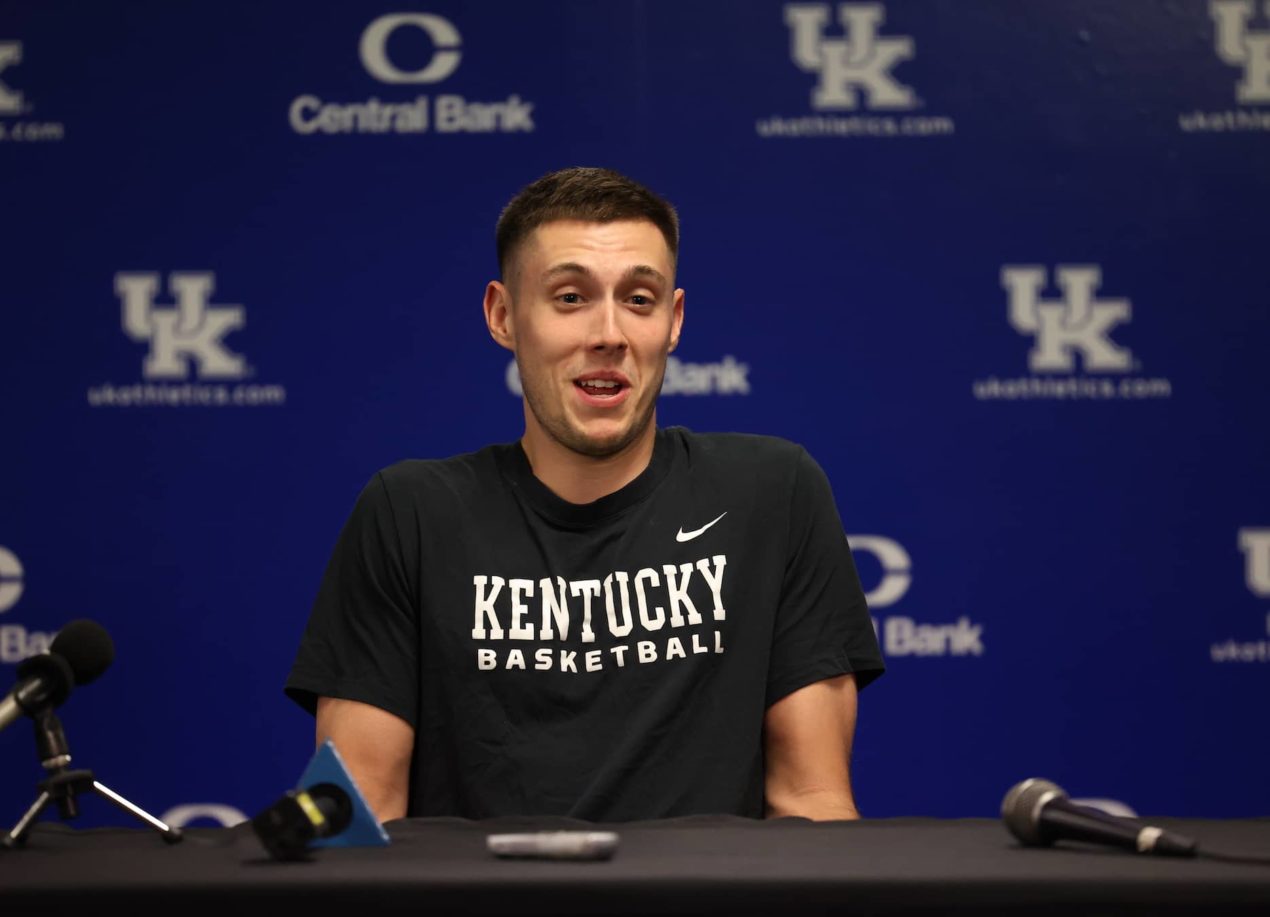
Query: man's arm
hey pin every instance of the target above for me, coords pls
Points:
(807, 748)
(376, 746)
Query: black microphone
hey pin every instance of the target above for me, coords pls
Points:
(1039, 812)
(80, 652)
(288, 826)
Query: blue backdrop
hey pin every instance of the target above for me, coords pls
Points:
(1001, 267)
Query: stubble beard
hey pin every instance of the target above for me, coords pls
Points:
(563, 432)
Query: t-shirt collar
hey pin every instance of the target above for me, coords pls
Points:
(515, 467)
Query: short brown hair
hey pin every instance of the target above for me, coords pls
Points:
(582, 193)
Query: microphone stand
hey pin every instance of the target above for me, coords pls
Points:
(62, 785)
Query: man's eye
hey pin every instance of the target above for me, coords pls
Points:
(639, 299)
(571, 299)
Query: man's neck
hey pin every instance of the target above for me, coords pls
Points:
(581, 478)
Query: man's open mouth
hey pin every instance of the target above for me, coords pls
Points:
(599, 388)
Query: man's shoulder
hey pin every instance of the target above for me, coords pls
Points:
(746, 450)
(456, 472)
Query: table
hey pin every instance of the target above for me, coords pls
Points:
(689, 865)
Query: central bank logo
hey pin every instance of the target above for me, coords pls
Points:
(380, 49)
(191, 331)
(1070, 331)
(896, 568)
(1239, 45)
(185, 337)
(1076, 323)
(10, 579)
(728, 376)
(858, 63)
(10, 56)
(202, 812)
(902, 635)
(1255, 545)
(445, 39)
(16, 642)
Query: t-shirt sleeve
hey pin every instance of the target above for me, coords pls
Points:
(361, 642)
(822, 627)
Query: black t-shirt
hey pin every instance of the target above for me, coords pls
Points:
(609, 661)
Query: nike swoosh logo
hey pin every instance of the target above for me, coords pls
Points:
(688, 536)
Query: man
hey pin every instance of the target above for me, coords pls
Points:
(605, 619)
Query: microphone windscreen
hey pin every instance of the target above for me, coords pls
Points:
(289, 827)
(1019, 808)
(86, 646)
(335, 804)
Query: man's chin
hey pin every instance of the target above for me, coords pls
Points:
(599, 445)
(602, 440)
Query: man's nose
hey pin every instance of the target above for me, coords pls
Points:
(606, 332)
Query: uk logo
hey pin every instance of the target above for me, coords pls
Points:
(1076, 323)
(1239, 46)
(858, 63)
(189, 331)
(10, 100)
(1255, 544)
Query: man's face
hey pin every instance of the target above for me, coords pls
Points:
(591, 312)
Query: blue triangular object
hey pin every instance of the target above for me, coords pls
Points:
(364, 830)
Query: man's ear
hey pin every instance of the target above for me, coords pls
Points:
(498, 315)
(677, 322)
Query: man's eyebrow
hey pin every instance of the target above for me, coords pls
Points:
(633, 272)
(565, 267)
(645, 270)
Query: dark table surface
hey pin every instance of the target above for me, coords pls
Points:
(696, 864)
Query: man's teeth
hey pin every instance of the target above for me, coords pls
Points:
(599, 383)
